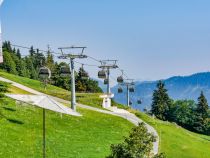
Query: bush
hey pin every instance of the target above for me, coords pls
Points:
(137, 145)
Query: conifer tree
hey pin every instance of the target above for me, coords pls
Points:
(161, 102)
(18, 53)
(202, 121)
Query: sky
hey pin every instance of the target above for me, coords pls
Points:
(151, 39)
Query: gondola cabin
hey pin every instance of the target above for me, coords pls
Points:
(44, 73)
(84, 75)
(106, 81)
(65, 71)
(120, 90)
(131, 89)
(120, 79)
(139, 101)
(102, 74)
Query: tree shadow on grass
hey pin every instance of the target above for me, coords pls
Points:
(9, 109)
(80, 96)
(206, 139)
(15, 121)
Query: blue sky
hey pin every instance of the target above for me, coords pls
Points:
(152, 39)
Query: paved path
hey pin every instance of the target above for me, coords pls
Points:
(126, 115)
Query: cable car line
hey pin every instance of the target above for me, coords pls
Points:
(94, 59)
(40, 50)
(85, 64)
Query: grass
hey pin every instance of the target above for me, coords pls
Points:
(89, 136)
(16, 90)
(174, 140)
(177, 142)
(91, 99)
(37, 85)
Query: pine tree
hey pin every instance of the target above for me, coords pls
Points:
(161, 102)
(31, 51)
(18, 53)
(38, 59)
(202, 121)
(23, 70)
(202, 107)
(31, 69)
(9, 65)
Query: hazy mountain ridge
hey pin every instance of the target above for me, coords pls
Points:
(179, 87)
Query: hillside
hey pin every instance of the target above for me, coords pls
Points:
(67, 136)
(171, 135)
(177, 142)
(179, 87)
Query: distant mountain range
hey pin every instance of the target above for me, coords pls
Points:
(179, 87)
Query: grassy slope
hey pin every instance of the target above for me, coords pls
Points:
(89, 136)
(177, 142)
(91, 99)
(16, 90)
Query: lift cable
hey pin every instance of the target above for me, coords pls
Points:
(94, 59)
(86, 64)
(24, 47)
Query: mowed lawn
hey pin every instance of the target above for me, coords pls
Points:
(89, 136)
(177, 142)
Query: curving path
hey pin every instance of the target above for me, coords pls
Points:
(114, 111)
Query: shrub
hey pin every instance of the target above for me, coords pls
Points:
(137, 145)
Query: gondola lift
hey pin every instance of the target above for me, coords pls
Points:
(139, 101)
(106, 81)
(84, 74)
(44, 73)
(120, 90)
(120, 78)
(102, 74)
(131, 89)
(65, 71)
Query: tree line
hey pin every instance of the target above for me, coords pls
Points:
(29, 66)
(186, 113)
